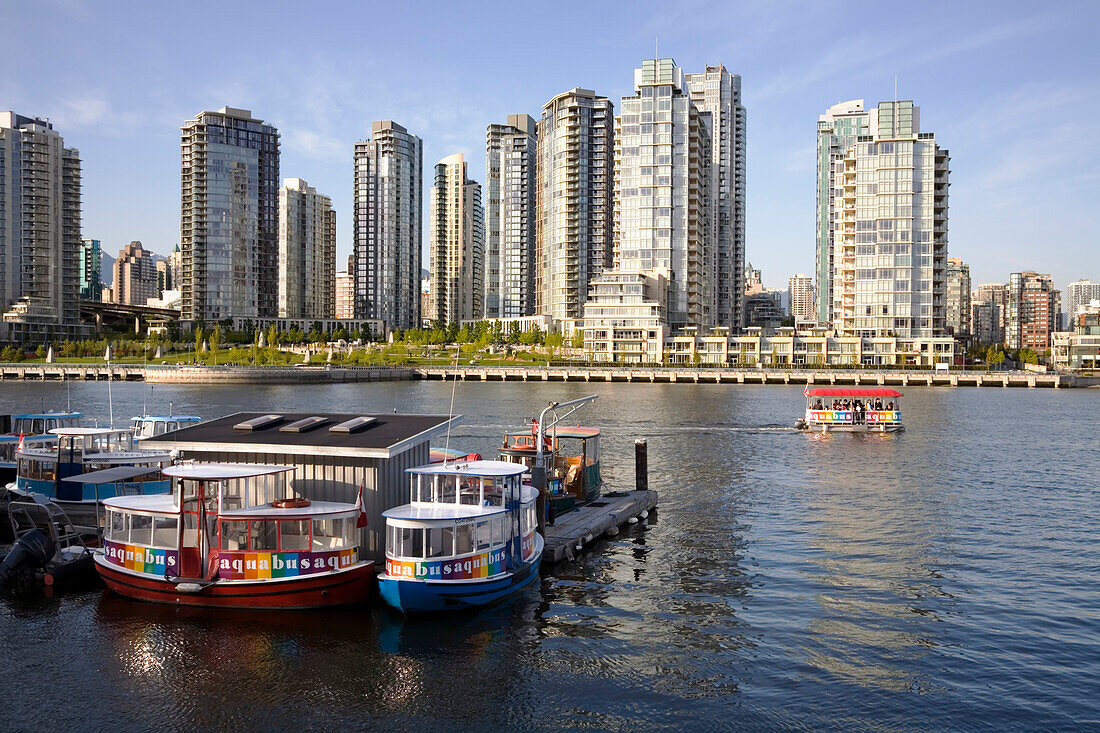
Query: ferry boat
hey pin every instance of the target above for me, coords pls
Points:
(466, 539)
(234, 536)
(86, 454)
(851, 410)
(32, 429)
(570, 455)
(145, 427)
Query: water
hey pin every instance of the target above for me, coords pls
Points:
(944, 578)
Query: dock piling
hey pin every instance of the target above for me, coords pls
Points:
(641, 465)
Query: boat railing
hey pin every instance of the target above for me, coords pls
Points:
(847, 417)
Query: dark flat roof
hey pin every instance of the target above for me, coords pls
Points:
(386, 436)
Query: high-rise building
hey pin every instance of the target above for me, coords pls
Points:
(1078, 295)
(91, 259)
(837, 131)
(39, 231)
(135, 275)
(510, 162)
(988, 306)
(164, 277)
(1033, 307)
(882, 222)
(957, 311)
(307, 252)
(345, 295)
(175, 268)
(457, 243)
(664, 207)
(388, 213)
(719, 92)
(229, 223)
(800, 293)
(574, 199)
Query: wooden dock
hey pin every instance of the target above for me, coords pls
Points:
(590, 522)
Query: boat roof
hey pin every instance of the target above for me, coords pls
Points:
(159, 503)
(436, 511)
(76, 432)
(111, 475)
(851, 392)
(218, 471)
(166, 418)
(266, 510)
(487, 469)
(572, 431)
(37, 415)
(363, 434)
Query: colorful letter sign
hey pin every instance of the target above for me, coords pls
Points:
(264, 565)
(468, 567)
(142, 559)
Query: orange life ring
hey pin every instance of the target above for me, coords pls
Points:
(290, 503)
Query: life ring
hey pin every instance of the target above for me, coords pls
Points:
(290, 503)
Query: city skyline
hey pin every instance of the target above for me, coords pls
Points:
(124, 117)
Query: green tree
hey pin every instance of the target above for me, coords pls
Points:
(513, 332)
(216, 338)
(578, 339)
(199, 337)
(40, 352)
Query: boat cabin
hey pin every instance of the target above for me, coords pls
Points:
(230, 522)
(572, 458)
(150, 426)
(464, 521)
(44, 468)
(42, 423)
(852, 409)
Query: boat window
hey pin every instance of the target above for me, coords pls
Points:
(37, 427)
(351, 532)
(263, 536)
(231, 495)
(464, 539)
(498, 530)
(141, 530)
(422, 489)
(484, 535)
(441, 541)
(409, 542)
(470, 492)
(328, 534)
(234, 535)
(116, 527)
(165, 532)
(294, 535)
(447, 489)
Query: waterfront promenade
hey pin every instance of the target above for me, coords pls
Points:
(163, 374)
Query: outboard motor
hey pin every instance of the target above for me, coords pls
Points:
(31, 551)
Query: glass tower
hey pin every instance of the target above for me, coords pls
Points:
(510, 159)
(229, 228)
(388, 215)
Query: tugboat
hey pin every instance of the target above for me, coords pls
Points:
(233, 536)
(851, 410)
(568, 454)
(466, 539)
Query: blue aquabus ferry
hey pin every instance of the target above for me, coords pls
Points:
(467, 538)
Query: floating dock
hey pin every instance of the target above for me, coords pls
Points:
(588, 523)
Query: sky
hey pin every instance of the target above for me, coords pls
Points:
(1011, 89)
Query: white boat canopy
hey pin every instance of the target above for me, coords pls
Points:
(438, 511)
(487, 469)
(221, 471)
(85, 432)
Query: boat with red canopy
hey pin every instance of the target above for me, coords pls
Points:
(852, 410)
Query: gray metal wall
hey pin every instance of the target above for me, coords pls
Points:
(338, 478)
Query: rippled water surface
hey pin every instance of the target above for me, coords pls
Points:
(947, 577)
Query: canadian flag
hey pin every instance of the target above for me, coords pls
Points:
(362, 521)
(20, 440)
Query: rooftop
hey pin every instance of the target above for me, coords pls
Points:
(364, 435)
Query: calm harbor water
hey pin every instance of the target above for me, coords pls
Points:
(944, 578)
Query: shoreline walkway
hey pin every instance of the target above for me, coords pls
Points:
(655, 375)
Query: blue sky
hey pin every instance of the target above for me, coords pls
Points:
(1010, 88)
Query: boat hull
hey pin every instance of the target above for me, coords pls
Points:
(330, 589)
(425, 596)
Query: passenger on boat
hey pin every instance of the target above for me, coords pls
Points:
(817, 405)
